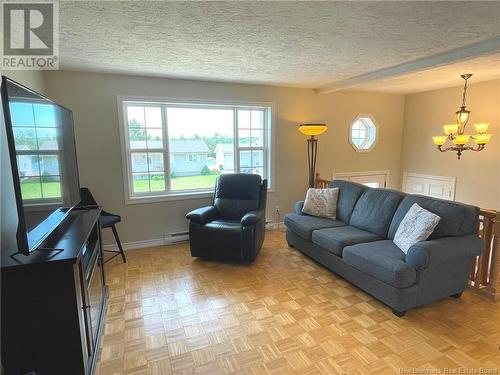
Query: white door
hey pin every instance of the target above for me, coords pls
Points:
(432, 186)
(374, 179)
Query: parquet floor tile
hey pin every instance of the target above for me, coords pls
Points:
(169, 313)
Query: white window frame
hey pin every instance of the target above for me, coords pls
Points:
(375, 130)
(150, 197)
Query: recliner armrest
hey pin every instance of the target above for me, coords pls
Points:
(428, 253)
(202, 215)
(298, 207)
(253, 217)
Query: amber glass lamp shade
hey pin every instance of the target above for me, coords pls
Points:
(461, 139)
(482, 139)
(312, 129)
(451, 129)
(482, 127)
(439, 140)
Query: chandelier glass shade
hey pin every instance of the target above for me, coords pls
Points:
(455, 133)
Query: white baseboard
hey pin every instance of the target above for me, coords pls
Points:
(135, 244)
(168, 240)
(147, 243)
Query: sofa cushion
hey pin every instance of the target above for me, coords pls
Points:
(457, 219)
(304, 225)
(335, 239)
(224, 234)
(349, 193)
(374, 210)
(382, 260)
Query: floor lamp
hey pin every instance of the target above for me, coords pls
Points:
(312, 146)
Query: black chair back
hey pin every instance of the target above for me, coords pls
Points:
(263, 195)
(87, 199)
(237, 194)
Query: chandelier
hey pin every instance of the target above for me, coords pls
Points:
(455, 133)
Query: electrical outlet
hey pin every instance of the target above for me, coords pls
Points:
(277, 209)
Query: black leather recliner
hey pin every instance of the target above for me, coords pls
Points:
(233, 228)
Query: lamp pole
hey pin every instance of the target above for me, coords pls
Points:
(312, 147)
(312, 152)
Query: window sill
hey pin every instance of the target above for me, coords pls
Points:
(168, 197)
(172, 197)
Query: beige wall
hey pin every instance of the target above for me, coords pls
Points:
(93, 99)
(33, 79)
(478, 174)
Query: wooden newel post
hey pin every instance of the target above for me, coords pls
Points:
(495, 260)
(485, 272)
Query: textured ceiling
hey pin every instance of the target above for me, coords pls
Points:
(303, 44)
(484, 68)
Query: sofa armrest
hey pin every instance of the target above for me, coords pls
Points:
(429, 253)
(298, 207)
(202, 215)
(253, 217)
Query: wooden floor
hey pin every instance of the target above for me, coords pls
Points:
(283, 314)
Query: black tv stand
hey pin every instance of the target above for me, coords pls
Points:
(53, 301)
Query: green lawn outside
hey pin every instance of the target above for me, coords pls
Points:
(31, 189)
(178, 183)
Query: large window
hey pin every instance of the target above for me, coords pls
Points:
(175, 148)
(37, 150)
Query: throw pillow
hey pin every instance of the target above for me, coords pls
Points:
(321, 202)
(417, 225)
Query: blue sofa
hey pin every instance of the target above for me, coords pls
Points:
(358, 245)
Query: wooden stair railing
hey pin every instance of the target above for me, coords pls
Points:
(319, 183)
(485, 272)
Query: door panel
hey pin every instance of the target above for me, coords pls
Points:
(432, 186)
(96, 293)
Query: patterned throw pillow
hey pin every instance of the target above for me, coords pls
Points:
(417, 225)
(321, 202)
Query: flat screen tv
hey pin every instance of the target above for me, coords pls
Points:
(44, 171)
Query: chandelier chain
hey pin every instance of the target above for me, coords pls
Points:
(464, 95)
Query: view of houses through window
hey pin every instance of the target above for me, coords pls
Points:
(37, 149)
(177, 147)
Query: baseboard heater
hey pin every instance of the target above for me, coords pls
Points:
(176, 237)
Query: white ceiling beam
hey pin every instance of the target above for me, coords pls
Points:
(483, 48)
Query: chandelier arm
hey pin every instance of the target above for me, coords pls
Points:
(450, 148)
(478, 148)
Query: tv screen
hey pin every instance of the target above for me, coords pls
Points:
(43, 162)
